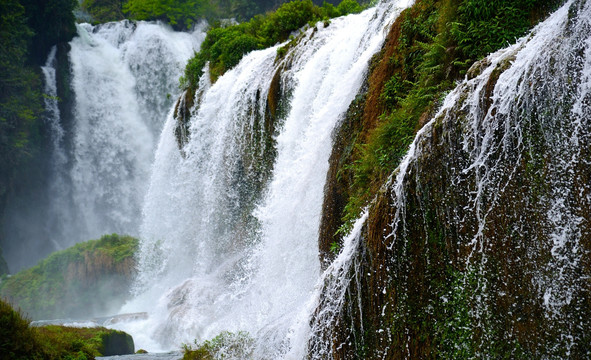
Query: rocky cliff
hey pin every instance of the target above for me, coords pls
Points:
(478, 245)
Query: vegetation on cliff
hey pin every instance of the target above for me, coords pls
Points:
(20, 98)
(429, 47)
(224, 46)
(478, 247)
(181, 14)
(88, 279)
(28, 29)
(20, 341)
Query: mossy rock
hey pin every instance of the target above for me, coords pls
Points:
(117, 343)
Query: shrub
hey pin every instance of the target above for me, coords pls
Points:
(225, 345)
(349, 7)
(181, 14)
(224, 47)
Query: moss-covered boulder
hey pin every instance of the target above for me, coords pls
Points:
(116, 343)
(89, 279)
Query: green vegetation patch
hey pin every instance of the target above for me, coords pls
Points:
(224, 46)
(181, 14)
(437, 42)
(88, 279)
(18, 340)
(225, 345)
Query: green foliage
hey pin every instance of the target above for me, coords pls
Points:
(349, 7)
(225, 345)
(20, 341)
(20, 99)
(181, 14)
(224, 47)
(17, 340)
(87, 278)
(28, 29)
(289, 17)
(335, 247)
(104, 10)
(52, 21)
(437, 42)
(483, 26)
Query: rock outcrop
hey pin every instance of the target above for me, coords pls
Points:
(479, 244)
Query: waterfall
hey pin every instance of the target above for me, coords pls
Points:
(123, 78)
(123, 73)
(486, 250)
(230, 228)
(59, 159)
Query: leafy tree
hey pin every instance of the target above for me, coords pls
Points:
(181, 14)
(289, 17)
(225, 46)
(349, 7)
(20, 101)
(104, 10)
(52, 21)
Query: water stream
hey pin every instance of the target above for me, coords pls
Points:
(229, 235)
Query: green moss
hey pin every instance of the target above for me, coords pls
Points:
(85, 280)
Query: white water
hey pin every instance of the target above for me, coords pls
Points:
(59, 159)
(203, 269)
(124, 78)
(122, 74)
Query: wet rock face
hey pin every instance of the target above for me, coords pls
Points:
(359, 120)
(479, 246)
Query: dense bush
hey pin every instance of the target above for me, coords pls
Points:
(52, 21)
(485, 26)
(28, 29)
(181, 14)
(224, 46)
(104, 10)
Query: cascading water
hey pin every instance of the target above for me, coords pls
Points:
(231, 223)
(59, 160)
(486, 252)
(124, 78)
(121, 73)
